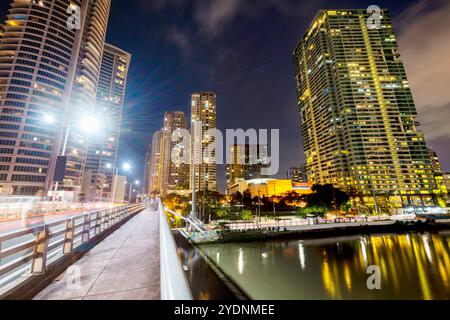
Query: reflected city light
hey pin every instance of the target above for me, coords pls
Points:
(301, 255)
(412, 266)
(241, 262)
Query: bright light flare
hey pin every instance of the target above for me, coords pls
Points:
(48, 118)
(90, 125)
(127, 166)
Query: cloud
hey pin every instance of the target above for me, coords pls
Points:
(180, 39)
(213, 16)
(424, 30)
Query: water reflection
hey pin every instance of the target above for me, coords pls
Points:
(413, 266)
(204, 282)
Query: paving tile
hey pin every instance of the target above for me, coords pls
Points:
(124, 280)
(118, 265)
(125, 266)
(65, 288)
(148, 293)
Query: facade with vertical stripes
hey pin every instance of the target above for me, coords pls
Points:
(47, 70)
(359, 121)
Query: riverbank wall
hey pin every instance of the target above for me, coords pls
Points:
(323, 231)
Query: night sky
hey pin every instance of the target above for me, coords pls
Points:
(241, 50)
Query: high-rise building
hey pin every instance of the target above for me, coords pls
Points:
(297, 174)
(447, 181)
(155, 160)
(174, 174)
(435, 163)
(82, 105)
(438, 174)
(246, 163)
(147, 169)
(45, 67)
(203, 111)
(102, 152)
(359, 121)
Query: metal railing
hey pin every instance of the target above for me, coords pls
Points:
(174, 285)
(195, 224)
(32, 251)
(13, 208)
(299, 222)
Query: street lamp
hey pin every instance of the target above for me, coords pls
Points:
(127, 168)
(88, 124)
(131, 186)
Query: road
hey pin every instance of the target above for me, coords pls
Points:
(16, 225)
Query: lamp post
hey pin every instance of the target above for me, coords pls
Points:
(131, 186)
(87, 124)
(63, 153)
(126, 167)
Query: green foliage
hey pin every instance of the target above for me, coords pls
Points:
(234, 214)
(177, 203)
(347, 206)
(246, 215)
(313, 210)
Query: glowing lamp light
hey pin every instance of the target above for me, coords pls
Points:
(127, 167)
(90, 125)
(48, 118)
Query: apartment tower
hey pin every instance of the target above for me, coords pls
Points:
(203, 112)
(155, 160)
(102, 153)
(359, 121)
(174, 173)
(246, 163)
(46, 70)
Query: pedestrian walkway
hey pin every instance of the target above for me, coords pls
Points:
(125, 266)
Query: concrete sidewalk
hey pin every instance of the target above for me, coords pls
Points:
(125, 266)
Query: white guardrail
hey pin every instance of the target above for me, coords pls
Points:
(32, 251)
(174, 285)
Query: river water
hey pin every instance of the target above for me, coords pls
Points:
(412, 266)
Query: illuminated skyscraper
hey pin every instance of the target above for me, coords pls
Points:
(45, 67)
(245, 163)
(83, 99)
(359, 121)
(174, 174)
(155, 159)
(102, 154)
(297, 174)
(147, 168)
(203, 110)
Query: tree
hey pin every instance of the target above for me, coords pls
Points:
(234, 214)
(292, 198)
(237, 199)
(327, 196)
(207, 203)
(177, 203)
(247, 198)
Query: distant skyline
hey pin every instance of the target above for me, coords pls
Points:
(242, 52)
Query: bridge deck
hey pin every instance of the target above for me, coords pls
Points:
(125, 266)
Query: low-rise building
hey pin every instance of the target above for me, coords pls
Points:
(269, 187)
